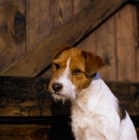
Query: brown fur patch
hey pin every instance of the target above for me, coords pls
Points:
(93, 62)
(121, 111)
(80, 79)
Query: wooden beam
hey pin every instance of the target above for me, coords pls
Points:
(24, 96)
(133, 1)
(70, 33)
(36, 132)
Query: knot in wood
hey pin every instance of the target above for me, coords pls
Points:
(19, 28)
(39, 87)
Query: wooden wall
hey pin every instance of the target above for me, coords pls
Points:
(27, 22)
(24, 23)
(117, 42)
(12, 31)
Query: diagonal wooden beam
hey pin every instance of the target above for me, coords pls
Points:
(70, 33)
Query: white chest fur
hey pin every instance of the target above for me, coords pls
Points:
(95, 117)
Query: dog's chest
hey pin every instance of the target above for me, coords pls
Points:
(84, 122)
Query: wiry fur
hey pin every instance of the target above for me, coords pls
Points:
(96, 113)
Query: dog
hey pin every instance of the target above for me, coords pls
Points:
(95, 112)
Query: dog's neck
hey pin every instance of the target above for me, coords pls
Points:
(94, 86)
(94, 95)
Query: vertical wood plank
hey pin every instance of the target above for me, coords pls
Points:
(38, 22)
(12, 31)
(136, 29)
(106, 48)
(89, 43)
(79, 5)
(61, 12)
(125, 44)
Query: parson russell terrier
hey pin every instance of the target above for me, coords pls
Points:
(96, 113)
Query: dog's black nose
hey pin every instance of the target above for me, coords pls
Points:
(57, 86)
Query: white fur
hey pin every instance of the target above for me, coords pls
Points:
(95, 117)
(94, 111)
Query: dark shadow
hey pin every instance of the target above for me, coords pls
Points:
(60, 128)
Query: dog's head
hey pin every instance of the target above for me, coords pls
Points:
(72, 71)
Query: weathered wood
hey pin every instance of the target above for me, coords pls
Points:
(12, 31)
(36, 132)
(61, 12)
(24, 96)
(79, 5)
(126, 44)
(111, 36)
(69, 33)
(136, 25)
(89, 43)
(24, 132)
(38, 22)
(44, 17)
(106, 48)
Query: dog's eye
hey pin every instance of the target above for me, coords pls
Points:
(76, 71)
(57, 66)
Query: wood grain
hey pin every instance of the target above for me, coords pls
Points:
(79, 5)
(12, 31)
(106, 48)
(126, 44)
(70, 33)
(61, 12)
(24, 132)
(136, 28)
(89, 43)
(26, 96)
(38, 23)
(36, 132)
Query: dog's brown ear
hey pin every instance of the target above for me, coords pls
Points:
(93, 63)
(57, 51)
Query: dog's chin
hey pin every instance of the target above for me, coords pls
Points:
(58, 97)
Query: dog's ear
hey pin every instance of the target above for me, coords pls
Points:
(93, 63)
(59, 50)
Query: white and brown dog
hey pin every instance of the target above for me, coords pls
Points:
(96, 112)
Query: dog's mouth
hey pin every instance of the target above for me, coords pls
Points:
(59, 94)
